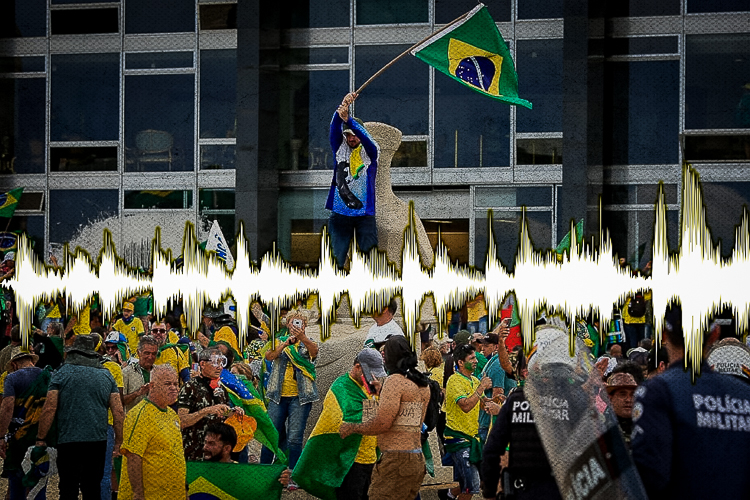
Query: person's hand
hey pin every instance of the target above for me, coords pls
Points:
(346, 429)
(377, 385)
(144, 389)
(238, 410)
(343, 112)
(602, 365)
(349, 98)
(217, 410)
(485, 383)
(297, 332)
(204, 341)
(116, 451)
(285, 477)
(491, 407)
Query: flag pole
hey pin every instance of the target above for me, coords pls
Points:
(381, 70)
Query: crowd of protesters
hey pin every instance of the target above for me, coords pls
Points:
(126, 403)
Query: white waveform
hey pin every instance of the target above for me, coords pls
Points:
(586, 279)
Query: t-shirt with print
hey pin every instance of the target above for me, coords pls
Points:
(194, 396)
(83, 400)
(460, 386)
(132, 331)
(154, 435)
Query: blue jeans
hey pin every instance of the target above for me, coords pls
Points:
(18, 490)
(465, 472)
(107, 477)
(341, 229)
(290, 418)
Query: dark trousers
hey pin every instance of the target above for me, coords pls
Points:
(342, 227)
(81, 466)
(356, 483)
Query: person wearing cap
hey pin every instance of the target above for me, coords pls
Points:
(25, 390)
(169, 353)
(351, 198)
(621, 388)
(136, 377)
(8, 266)
(349, 476)
(385, 326)
(207, 329)
(685, 423)
(116, 347)
(129, 325)
(501, 384)
(7, 351)
(80, 393)
(153, 464)
(397, 422)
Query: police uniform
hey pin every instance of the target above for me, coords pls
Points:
(692, 440)
(530, 471)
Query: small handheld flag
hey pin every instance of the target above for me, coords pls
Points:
(9, 202)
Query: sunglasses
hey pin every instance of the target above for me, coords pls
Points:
(219, 361)
(158, 330)
(110, 347)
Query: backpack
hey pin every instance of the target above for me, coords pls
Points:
(637, 306)
(434, 405)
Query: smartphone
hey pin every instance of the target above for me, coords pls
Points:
(196, 367)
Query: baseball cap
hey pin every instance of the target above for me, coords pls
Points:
(372, 364)
(463, 337)
(492, 338)
(128, 306)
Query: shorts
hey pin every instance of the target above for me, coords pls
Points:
(465, 472)
(398, 475)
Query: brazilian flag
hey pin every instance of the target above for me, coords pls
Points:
(9, 202)
(473, 52)
(564, 245)
(217, 481)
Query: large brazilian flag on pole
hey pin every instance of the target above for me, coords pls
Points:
(472, 51)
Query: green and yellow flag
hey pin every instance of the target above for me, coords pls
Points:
(564, 245)
(473, 52)
(217, 481)
(9, 202)
(326, 458)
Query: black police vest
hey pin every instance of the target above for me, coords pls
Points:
(526, 454)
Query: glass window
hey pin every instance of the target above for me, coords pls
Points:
(506, 228)
(33, 227)
(316, 14)
(83, 159)
(302, 215)
(323, 55)
(85, 97)
(410, 154)
(158, 199)
(309, 99)
(398, 97)
(471, 130)
(717, 74)
(513, 197)
(159, 122)
(218, 205)
(641, 45)
(21, 64)
(216, 199)
(75, 209)
(454, 233)
(219, 16)
(632, 234)
(31, 201)
(23, 18)
(448, 10)
(218, 99)
(539, 64)
(391, 11)
(696, 6)
(724, 202)
(84, 21)
(644, 112)
(539, 151)
(159, 16)
(540, 9)
(305, 241)
(217, 156)
(717, 147)
(625, 8)
(22, 112)
(158, 60)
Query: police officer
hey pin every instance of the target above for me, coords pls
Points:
(691, 439)
(528, 474)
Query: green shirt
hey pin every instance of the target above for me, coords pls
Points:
(481, 362)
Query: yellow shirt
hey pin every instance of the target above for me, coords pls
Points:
(116, 372)
(460, 386)
(172, 356)
(289, 385)
(154, 435)
(437, 374)
(367, 453)
(83, 325)
(132, 332)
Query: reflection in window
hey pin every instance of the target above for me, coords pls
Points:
(159, 16)
(454, 233)
(471, 130)
(159, 121)
(506, 228)
(717, 71)
(218, 99)
(540, 9)
(316, 13)
(625, 8)
(155, 199)
(21, 64)
(398, 97)
(23, 18)
(84, 21)
(309, 100)
(410, 154)
(217, 157)
(22, 110)
(539, 151)
(448, 10)
(158, 60)
(696, 6)
(219, 16)
(391, 11)
(83, 159)
(75, 209)
(644, 116)
(717, 147)
(218, 205)
(539, 65)
(85, 97)
(216, 199)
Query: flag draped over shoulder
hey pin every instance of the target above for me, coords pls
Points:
(9, 202)
(244, 395)
(473, 52)
(326, 458)
(304, 365)
(213, 480)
